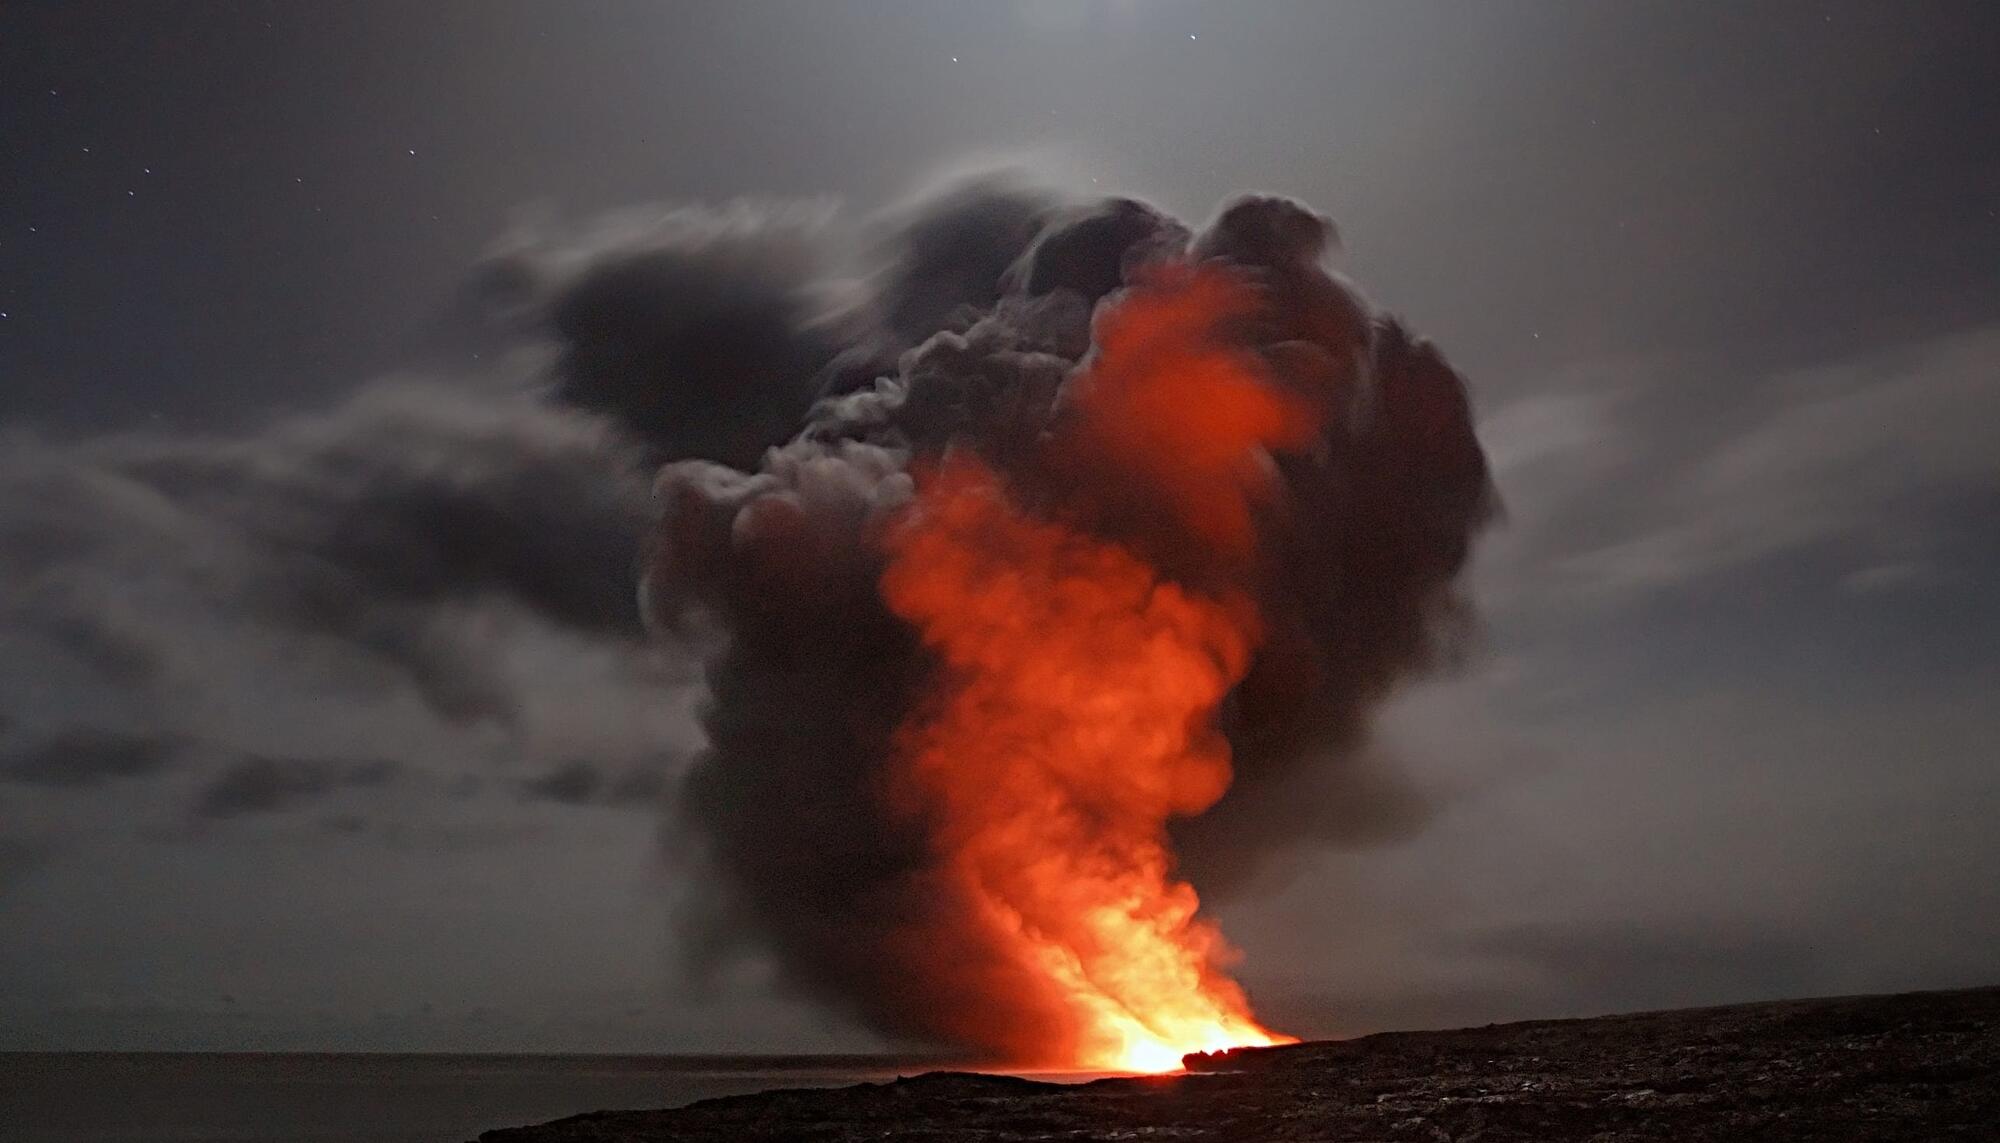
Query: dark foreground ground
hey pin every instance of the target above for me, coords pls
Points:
(1924, 1066)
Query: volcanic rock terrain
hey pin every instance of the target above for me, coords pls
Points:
(1921, 1066)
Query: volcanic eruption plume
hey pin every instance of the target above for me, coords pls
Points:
(1045, 613)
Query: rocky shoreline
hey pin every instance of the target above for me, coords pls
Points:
(1921, 1066)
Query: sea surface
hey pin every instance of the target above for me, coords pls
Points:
(162, 1097)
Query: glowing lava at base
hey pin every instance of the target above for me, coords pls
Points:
(1080, 685)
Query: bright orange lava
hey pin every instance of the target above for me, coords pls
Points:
(1078, 713)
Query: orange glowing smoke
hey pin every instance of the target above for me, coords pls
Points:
(1081, 685)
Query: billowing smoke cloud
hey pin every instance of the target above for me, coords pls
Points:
(437, 572)
(815, 677)
(700, 331)
(432, 585)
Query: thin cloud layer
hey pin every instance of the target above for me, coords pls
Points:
(389, 578)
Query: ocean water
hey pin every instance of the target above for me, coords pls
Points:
(105, 1097)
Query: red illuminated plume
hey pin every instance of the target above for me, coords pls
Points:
(1077, 711)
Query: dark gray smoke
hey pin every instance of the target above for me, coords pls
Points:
(465, 547)
(699, 331)
(436, 572)
(814, 675)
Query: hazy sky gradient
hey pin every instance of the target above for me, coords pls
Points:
(1723, 277)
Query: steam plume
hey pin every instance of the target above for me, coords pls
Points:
(1052, 394)
(1326, 541)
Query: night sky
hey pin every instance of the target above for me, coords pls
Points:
(1725, 279)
